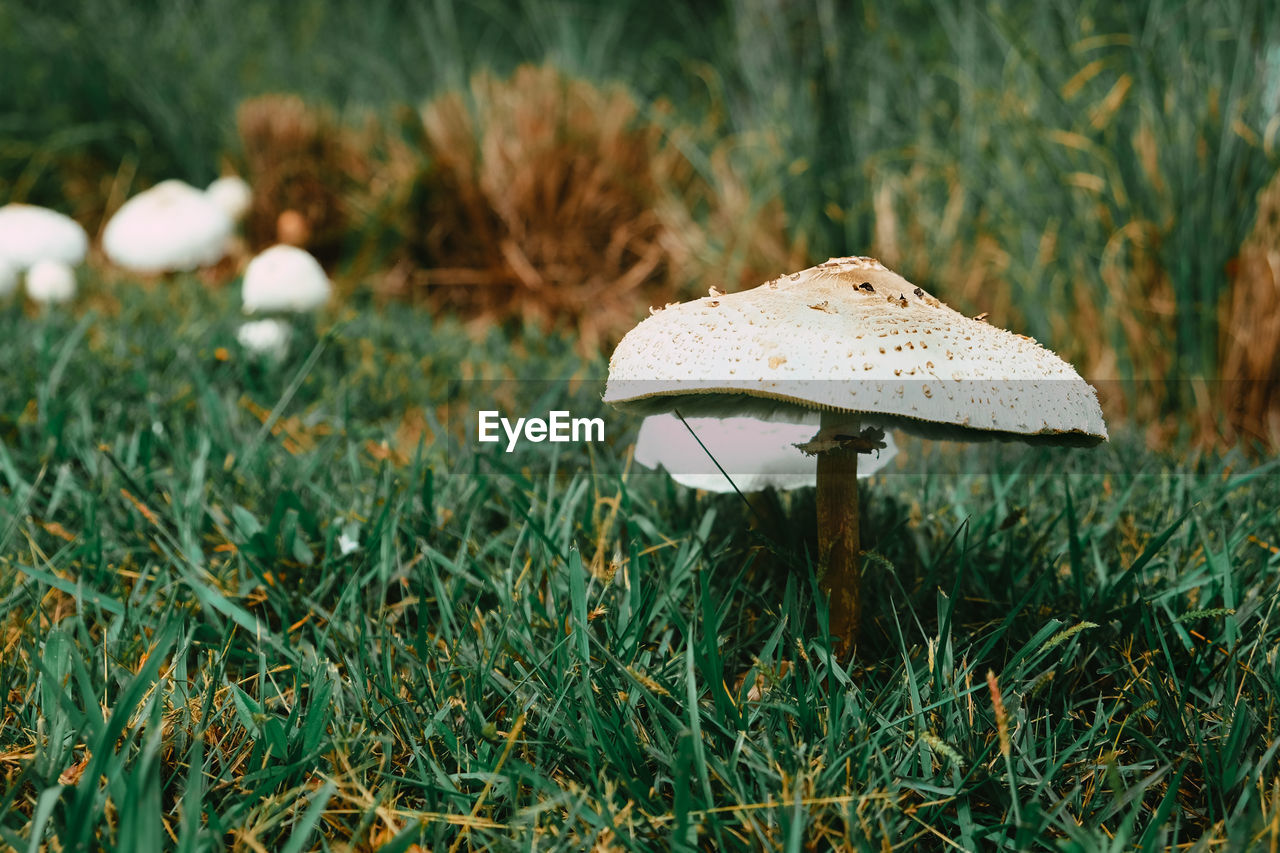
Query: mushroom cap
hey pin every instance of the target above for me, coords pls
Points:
(284, 278)
(755, 453)
(851, 336)
(264, 337)
(51, 282)
(8, 277)
(172, 227)
(232, 195)
(29, 234)
(292, 228)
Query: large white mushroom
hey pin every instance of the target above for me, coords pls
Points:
(859, 344)
(51, 283)
(172, 227)
(755, 454)
(30, 234)
(284, 279)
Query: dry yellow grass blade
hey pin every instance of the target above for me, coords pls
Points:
(1100, 116)
(1077, 82)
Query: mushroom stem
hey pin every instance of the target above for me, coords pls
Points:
(838, 541)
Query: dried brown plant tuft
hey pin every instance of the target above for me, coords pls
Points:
(1249, 321)
(304, 166)
(540, 203)
(553, 199)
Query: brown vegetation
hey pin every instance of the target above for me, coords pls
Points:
(1250, 329)
(303, 165)
(552, 199)
(541, 202)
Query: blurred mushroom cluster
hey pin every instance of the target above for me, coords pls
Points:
(169, 228)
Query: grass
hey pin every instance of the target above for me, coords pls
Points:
(1062, 166)
(1073, 165)
(283, 607)
(286, 606)
(153, 87)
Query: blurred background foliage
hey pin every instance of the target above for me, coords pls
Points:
(1088, 172)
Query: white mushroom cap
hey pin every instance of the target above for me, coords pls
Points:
(51, 282)
(171, 227)
(264, 337)
(232, 195)
(756, 454)
(285, 278)
(8, 277)
(29, 234)
(851, 336)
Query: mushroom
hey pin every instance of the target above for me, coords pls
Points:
(232, 195)
(30, 234)
(292, 228)
(845, 339)
(51, 283)
(284, 279)
(172, 227)
(745, 453)
(264, 337)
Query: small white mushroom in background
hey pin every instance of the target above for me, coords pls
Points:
(172, 227)
(280, 280)
(29, 234)
(232, 195)
(264, 337)
(756, 454)
(8, 277)
(51, 283)
(284, 279)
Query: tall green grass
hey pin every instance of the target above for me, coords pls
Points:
(229, 615)
(1081, 138)
(154, 86)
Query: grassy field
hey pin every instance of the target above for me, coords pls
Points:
(284, 605)
(275, 606)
